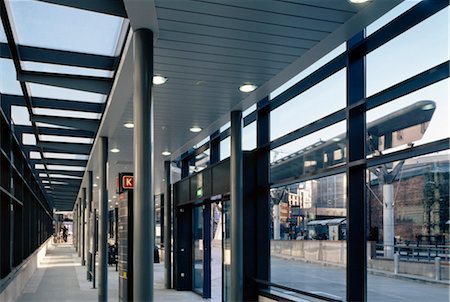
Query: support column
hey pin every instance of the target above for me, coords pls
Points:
(79, 228)
(276, 221)
(143, 212)
(103, 221)
(88, 228)
(356, 175)
(236, 184)
(167, 226)
(83, 228)
(388, 220)
(75, 226)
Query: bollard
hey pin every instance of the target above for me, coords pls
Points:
(396, 263)
(437, 267)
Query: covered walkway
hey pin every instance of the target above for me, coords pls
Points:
(60, 277)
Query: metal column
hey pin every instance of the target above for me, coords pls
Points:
(88, 222)
(79, 227)
(356, 176)
(236, 190)
(167, 227)
(103, 221)
(143, 212)
(83, 228)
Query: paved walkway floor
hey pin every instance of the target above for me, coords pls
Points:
(60, 277)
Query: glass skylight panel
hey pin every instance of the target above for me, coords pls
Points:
(28, 139)
(65, 155)
(65, 69)
(66, 139)
(20, 116)
(45, 91)
(59, 27)
(65, 168)
(39, 166)
(66, 113)
(64, 176)
(8, 81)
(2, 34)
(35, 155)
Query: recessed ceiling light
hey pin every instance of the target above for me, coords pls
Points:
(114, 196)
(166, 153)
(117, 203)
(428, 107)
(97, 177)
(159, 80)
(115, 150)
(195, 129)
(109, 200)
(128, 125)
(95, 185)
(359, 1)
(248, 87)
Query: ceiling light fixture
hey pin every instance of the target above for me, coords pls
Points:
(358, 1)
(95, 185)
(97, 177)
(159, 80)
(129, 125)
(166, 153)
(195, 129)
(115, 150)
(428, 107)
(248, 87)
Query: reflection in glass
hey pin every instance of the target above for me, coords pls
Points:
(415, 119)
(325, 148)
(309, 229)
(408, 212)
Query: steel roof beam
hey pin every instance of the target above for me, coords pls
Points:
(78, 123)
(61, 162)
(66, 147)
(53, 104)
(55, 131)
(109, 7)
(60, 57)
(101, 85)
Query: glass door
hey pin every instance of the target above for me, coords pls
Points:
(226, 250)
(198, 264)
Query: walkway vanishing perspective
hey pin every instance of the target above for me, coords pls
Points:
(60, 277)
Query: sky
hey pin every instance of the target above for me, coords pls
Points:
(420, 48)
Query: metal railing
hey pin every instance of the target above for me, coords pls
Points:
(410, 252)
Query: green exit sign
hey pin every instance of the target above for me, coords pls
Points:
(199, 192)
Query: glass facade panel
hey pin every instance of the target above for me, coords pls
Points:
(249, 137)
(8, 81)
(308, 232)
(391, 15)
(225, 150)
(320, 150)
(415, 119)
(319, 63)
(58, 27)
(408, 215)
(320, 100)
(404, 56)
